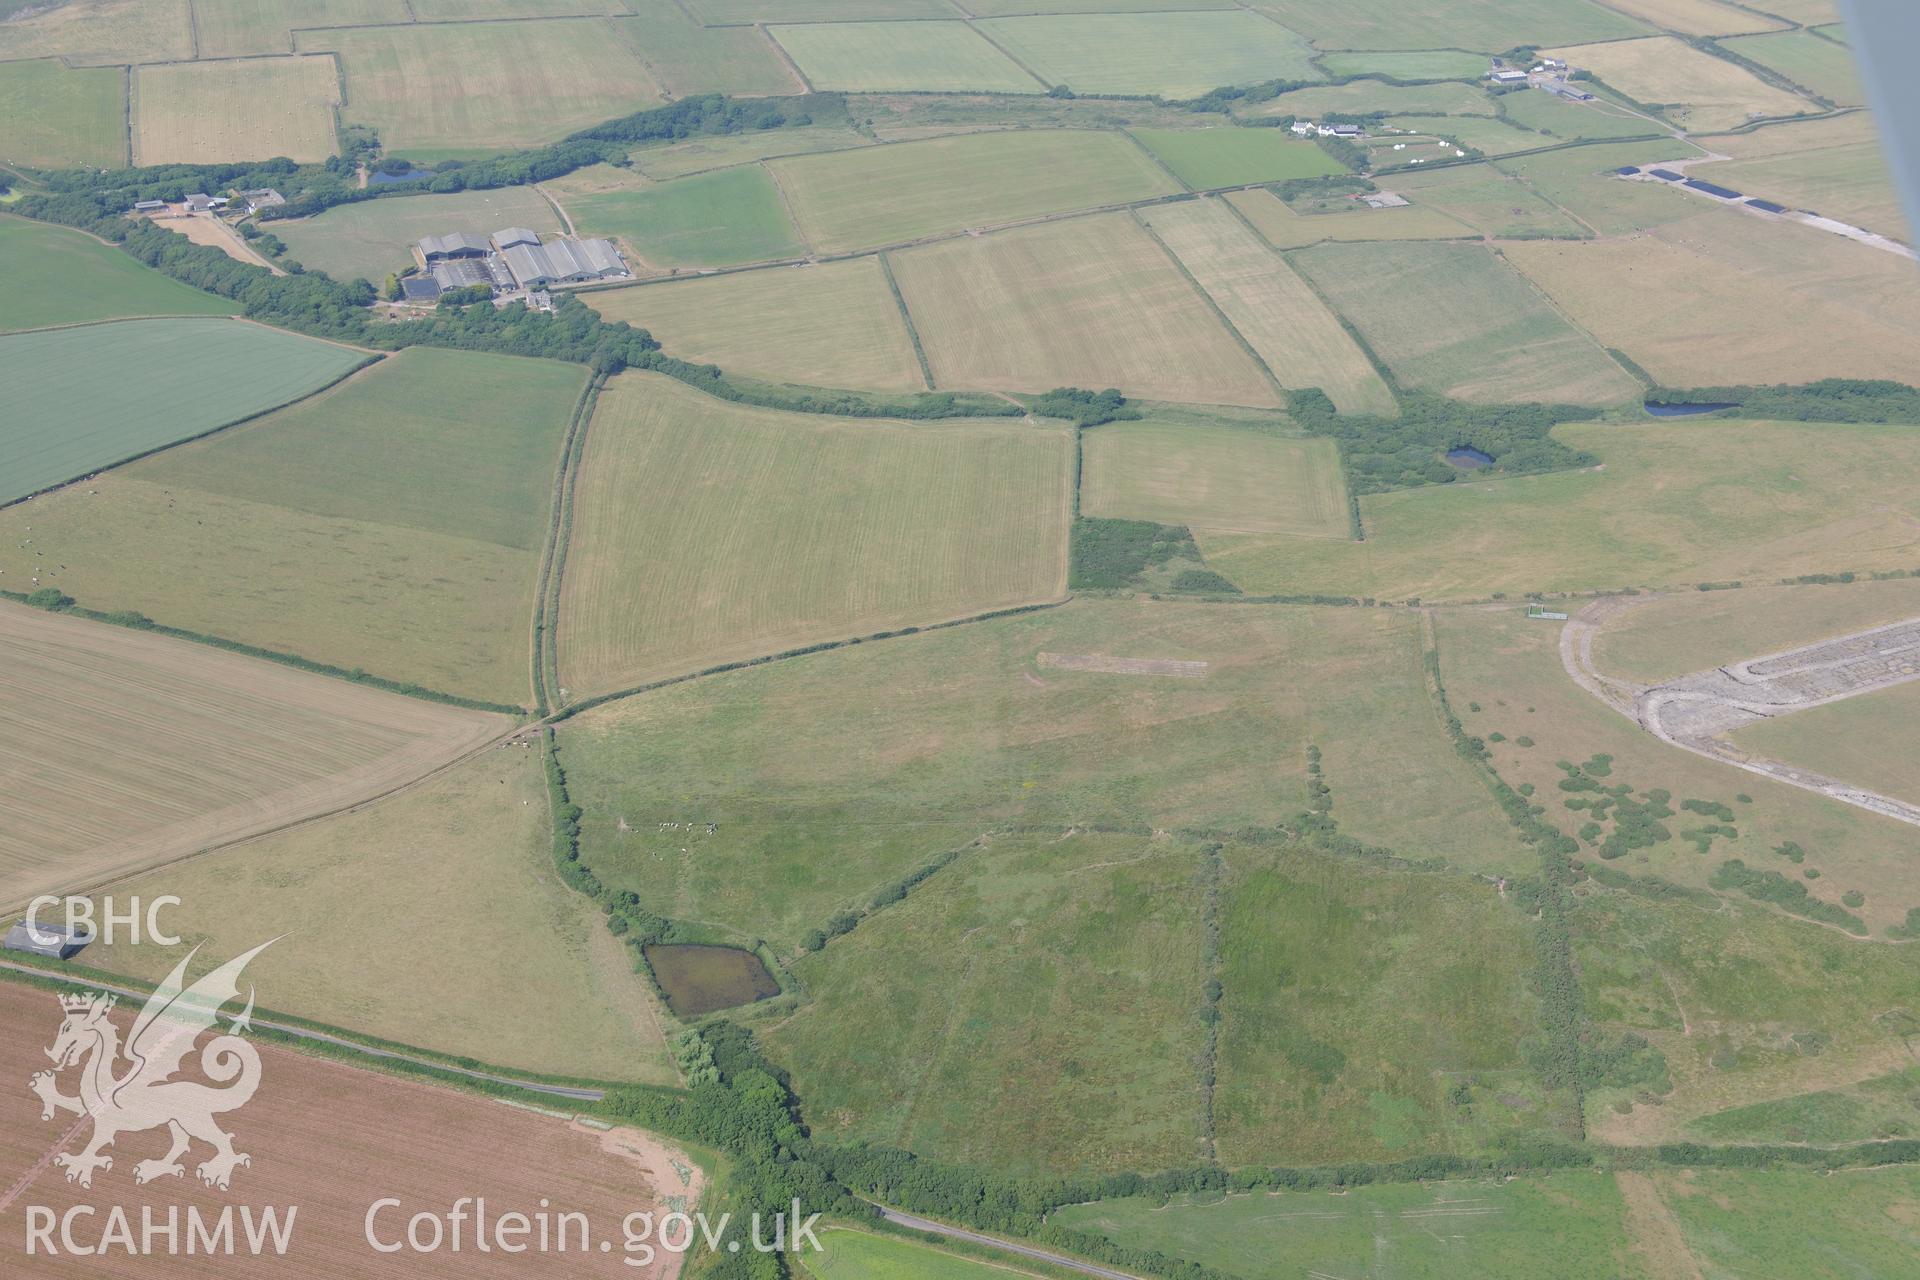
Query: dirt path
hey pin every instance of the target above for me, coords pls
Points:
(1653, 1232)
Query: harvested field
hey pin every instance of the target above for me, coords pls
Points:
(1224, 478)
(478, 10)
(1506, 343)
(1698, 17)
(764, 530)
(1850, 183)
(1014, 8)
(332, 1139)
(835, 324)
(242, 109)
(490, 86)
(1702, 93)
(1122, 666)
(1231, 157)
(1175, 55)
(236, 28)
(1813, 62)
(56, 276)
(53, 116)
(1484, 26)
(1093, 302)
(1487, 200)
(884, 57)
(696, 155)
(1285, 228)
(172, 379)
(713, 219)
(110, 32)
(374, 238)
(891, 194)
(1270, 306)
(127, 750)
(476, 842)
(393, 524)
(686, 58)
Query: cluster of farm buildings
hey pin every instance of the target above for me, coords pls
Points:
(509, 261)
(251, 201)
(1550, 74)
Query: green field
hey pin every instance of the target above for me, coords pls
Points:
(1478, 133)
(85, 398)
(1868, 740)
(709, 220)
(394, 524)
(235, 28)
(891, 194)
(1789, 1223)
(1357, 97)
(1505, 343)
(1824, 66)
(1485, 199)
(1484, 25)
(1285, 228)
(1175, 55)
(687, 58)
(54, 117)
(375, 238)
(744, 11)
(1851, 183)
(879, 57)
(1551, 113)
(765, 530)
(1567, 1226)
(1875, 1108)
(1214, 478)
(1425, 64)
(1581, 180)
(1232, 157)
(55, 276)
(696, 155)
(861, 1255)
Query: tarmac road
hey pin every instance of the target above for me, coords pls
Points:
(1026, 1251)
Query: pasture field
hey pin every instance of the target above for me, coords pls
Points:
(888, 195)
(862, 1255)
(1486, 25)
(1867, 740)
(884, 57)
(1700, 92)
(236, 28)
(1508, 663)
(1675, 505)
(1357, 97)
(1671, 635)
(171, 379)
(1484, 198)
(686, 58)
(821, 793)
(430, 89)
(1810, 61)
(1698, 17)
(1789, 1222)
(713, 219)
(1424, 64)
(476, 842)
(1284, 228)
(1214, 478)
(371, 239)
(1093, 302)
(749, 11)
(1879, 1107)
(242, 109)
(903, 524)
(830, 325)
(1754, 287)
(125, 750)
(1377, 990)
(1282, 319)
(54, 116)
(1850, 183)
(1234, 157)
(393, 524)
(56, 276)
(1433, 1231)
(1505, 344)
(104, 32)
(696, 155)
(1479, 133)
(1065, 1038)
(1550, 113)
(318, 1128)
(1175, 55)
(1581, 180)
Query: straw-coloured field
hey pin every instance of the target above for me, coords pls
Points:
(245, 109)
(1702, 92)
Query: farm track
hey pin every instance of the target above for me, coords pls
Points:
(913, 1223)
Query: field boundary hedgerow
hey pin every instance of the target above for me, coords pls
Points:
(553, 561)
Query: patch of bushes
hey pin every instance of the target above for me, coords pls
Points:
(1390, 453)
(1083, 408)
(1203, 582)
(1788, 895)
(1112, 554)
(1829, 400)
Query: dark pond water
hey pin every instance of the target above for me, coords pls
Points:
(1684, 410)
(1469, 459)
(700, 979)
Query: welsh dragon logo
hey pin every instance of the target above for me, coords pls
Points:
(130, 1088)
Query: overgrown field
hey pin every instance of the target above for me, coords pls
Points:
(1486, 199)
(126, 750)
(54, 116)
(83, 398)
(760, 531)
(56, 276)
(696, 155)
(830, 325)
(242, 109)
(1226, 478)
(1424, 64)
(709, 220)
(372, 239)
(1175, 55)
(926, 57)
(1699, 91)
(1092, 302)
(1582, 180)
(394, 524)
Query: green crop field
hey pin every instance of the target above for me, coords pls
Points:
(892, 194)
(908, 524)
(708, 220)
(1813, 62)
(1285, 228)
(687, 58)
(1424, 64)
(831, 325)
(375, 238)
(85, 398)
(926, 57)
(1359, 96)
(1506, 344)
(394, 524)
(1214, 478)
(744, 11)
(1571, 1226)
(55, 276)
(1231, 157)
(861, 1255)
(235, 109)
(52, 116)
(1802, 1224)
(1483, 25)
(474, 842)
(1868, 740)
(236, 28)
(1485, 199)
(1175, 55)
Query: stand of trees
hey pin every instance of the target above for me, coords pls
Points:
(1390, 453)
(1829, 400)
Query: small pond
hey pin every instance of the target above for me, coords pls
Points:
(1685, 410)
(698, 979)
(1468, 459)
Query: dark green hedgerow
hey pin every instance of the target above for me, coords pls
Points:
(1829, 400)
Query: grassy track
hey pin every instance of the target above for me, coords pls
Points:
(1176, 55)
(925, 57)
(374, 238)
(243, 109)
(1092, 302)
(1704, 92)
(832, 325)
(52, 116)
(886, 195)
(764, 530)
(1491, 25)
(170, 379)
(1228, 157)
(709, 220)
(1214, 478)
(56, 276)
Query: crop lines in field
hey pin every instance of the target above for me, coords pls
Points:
(243, 109)
(878, 57)
(1222, 478)
(1712, 93)
(1175, 55)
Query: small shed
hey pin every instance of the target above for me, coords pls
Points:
(149, 206)
(54, 941)
(1766, 206)
(199, 202)
(1666, 175)
(1712, 189)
